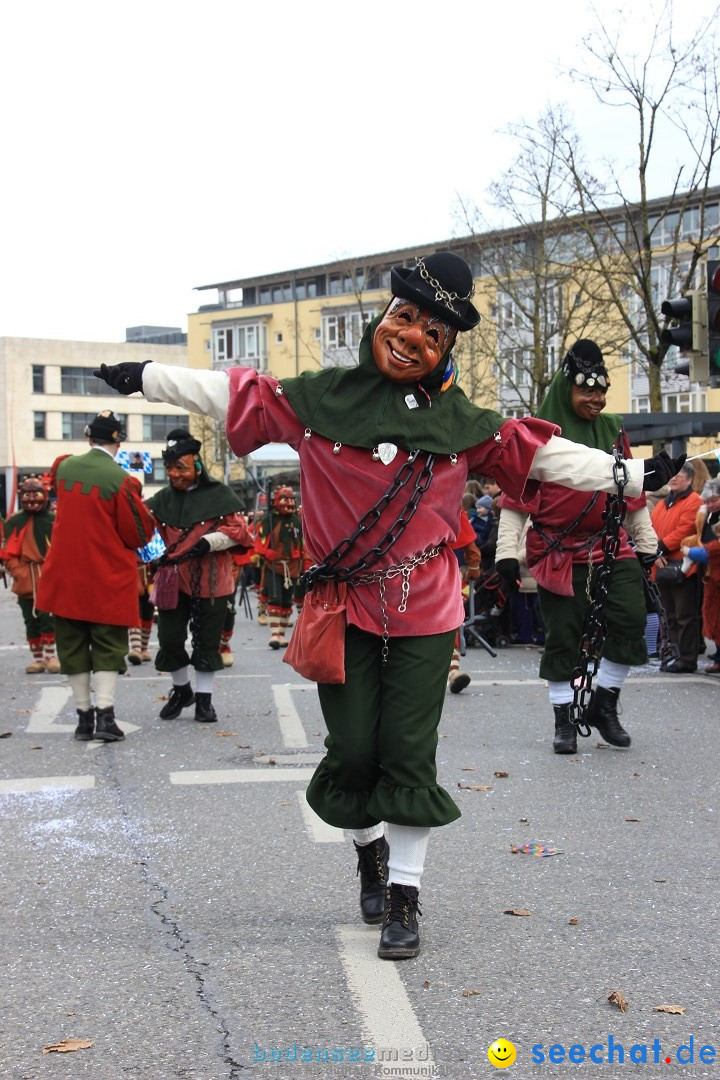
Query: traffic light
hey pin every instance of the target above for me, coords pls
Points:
(688, 315)
(713, 314)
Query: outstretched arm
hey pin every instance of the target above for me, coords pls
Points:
(206, 392)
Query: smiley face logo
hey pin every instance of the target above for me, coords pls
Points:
(501, 1053)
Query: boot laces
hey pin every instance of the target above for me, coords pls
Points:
(370, 865)
(402, 905)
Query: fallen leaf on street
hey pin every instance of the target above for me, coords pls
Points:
(500, 774)
(426, 985)
(471, 993)
(573, 922)
(524, 820)
(676, 1010)
(618, 998)
(68, 1046)
(468, 768)
(517, 911)
(475, 787)
(242, 746)
(226, 734)
(632, 818)
(6, 735)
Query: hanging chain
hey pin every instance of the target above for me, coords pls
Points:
(329, 570)
(404, 569)
(598, 584)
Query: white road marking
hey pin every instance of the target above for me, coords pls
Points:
(388, 1019)
(312, 758)
(45, 783)
(240, 776)
(51, 702)
(291, 728)
(319, 830)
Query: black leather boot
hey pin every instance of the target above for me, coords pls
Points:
(105, 726)
(565, 741)
(86, 726)
(372, 868)
(204, 711)
(400, 939)
(603, 715)
(179, 699)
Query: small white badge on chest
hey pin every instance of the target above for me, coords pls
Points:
(411, 401)
(386, 452)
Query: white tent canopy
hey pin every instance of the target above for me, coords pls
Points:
(271, 458)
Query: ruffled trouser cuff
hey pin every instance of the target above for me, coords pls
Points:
(426, 807)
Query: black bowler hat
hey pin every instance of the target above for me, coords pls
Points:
(584, 365)
(106, 427)
(441, 283)
(179, 443)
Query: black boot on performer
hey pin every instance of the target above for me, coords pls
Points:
(565, 741)
(603, 715)
(372, 868)
(105, 726)
(204, 711)
(400, 939)
(179, 699)
(84, 732)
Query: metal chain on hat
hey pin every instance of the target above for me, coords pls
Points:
(329, 570)
(441, 293)
(598, 584)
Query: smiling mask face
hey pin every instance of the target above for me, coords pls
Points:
(409, 343)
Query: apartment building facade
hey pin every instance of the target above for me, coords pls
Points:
(305, 319)
(49, 394)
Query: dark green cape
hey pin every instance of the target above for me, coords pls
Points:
(210, 499)
(557, 408)
(359, 407)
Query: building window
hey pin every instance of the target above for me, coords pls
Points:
(157, 428)
(158, 476)
(82, 381)
(74, 424)
(39, 424)
(278, 337)
(244, 344)
(343, 330)
(38, 379)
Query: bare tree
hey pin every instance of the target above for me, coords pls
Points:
(645, 248)
(578, 251)
(536, 272)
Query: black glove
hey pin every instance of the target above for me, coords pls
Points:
(125, 378)
(198, 550)
(509, 571)
(660, 469)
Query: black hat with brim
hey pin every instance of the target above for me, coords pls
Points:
(106, 427)
(442, 284)
(179, 443)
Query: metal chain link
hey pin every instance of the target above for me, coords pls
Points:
(598, 584)
(329, 570)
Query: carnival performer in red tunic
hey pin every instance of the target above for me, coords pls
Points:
(199, 520)
(101, 521)
(27, 540)
(278, 541)
(385, 449)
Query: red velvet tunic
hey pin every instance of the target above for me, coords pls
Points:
(346, 484)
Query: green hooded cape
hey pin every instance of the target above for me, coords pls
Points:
(557, 408)
(210, 499)
(359, 407)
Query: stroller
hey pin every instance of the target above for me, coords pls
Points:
(498, 617)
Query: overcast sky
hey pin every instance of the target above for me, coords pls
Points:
(151, 147)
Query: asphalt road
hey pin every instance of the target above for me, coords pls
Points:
(172, 900)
